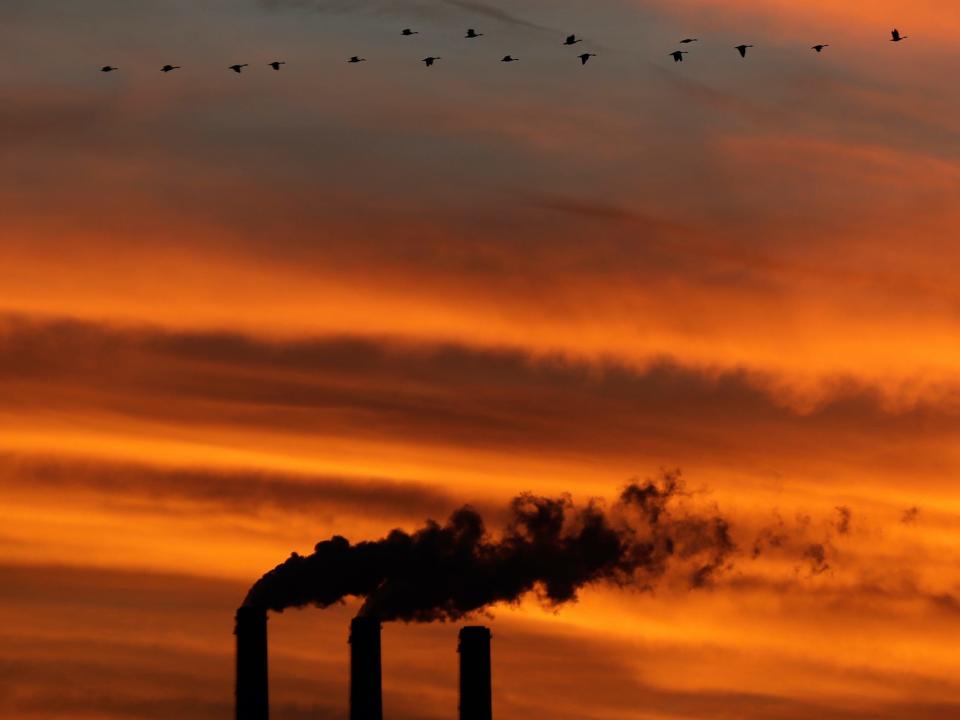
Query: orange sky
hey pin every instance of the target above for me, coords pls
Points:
(241, 314)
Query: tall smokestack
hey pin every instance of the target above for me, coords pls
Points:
(366, 693)
(252, 702)
(476, 702)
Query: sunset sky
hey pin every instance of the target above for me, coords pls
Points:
(242, 313)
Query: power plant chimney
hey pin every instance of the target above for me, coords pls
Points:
(252, 701)
(476, 701)
(366, 691)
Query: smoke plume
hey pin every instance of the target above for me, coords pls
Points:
(548, 546)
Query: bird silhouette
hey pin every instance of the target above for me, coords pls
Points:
(689, 40)
(108, 68)
(819, 48)
(742, 49)
(585, 57)
(895, 36)
(430, 60)
(471, 33)
(678, 55)
(356, 59)
(169, 68)
(509, 58)
(572, 40)
(408, 31)
(238, 68)
(276, 64)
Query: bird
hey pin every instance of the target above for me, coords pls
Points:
(237, 68)
(356, 59)
(678, 55)
(408, 31)
(586, 56)
(276, 64)
(743, 49)
(895, 36)
(819, 48)
(689, 40)
(169, 68)
(108, 68)
(509, 58)
(430, 60)
(471, 33)
(572, 40)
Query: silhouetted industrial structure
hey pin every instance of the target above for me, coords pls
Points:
(366, 685)
(366, 690)
(252, 690)
(476, 698)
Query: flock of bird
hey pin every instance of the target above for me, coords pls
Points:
(472, 34)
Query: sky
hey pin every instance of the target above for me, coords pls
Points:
(240, 314)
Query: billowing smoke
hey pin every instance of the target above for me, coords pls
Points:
(548, 546)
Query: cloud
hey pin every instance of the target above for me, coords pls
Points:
(497, 13)
(434, 394)
(242, 492)
(407, 8)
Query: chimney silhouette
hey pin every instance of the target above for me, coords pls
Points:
(476, 701)
(366, 693)
(252, 701)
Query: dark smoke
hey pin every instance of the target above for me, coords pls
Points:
(549, 547)
(816, 554)
(844, 516)
(814, 544)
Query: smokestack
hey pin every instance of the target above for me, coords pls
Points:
(366, 693)
(252, 702)
(476, 702)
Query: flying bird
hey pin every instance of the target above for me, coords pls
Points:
(677, 55)
(471, 33)
(509, 58)
(277, 63)
(586, 56)
(689, 40)
(572, 40)
(819, 48)
(895, 36)
(356, 59)
(108, 68)
(408, 31)
(238, 68)
(742, 49)
(429, 61)
(169, 68)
